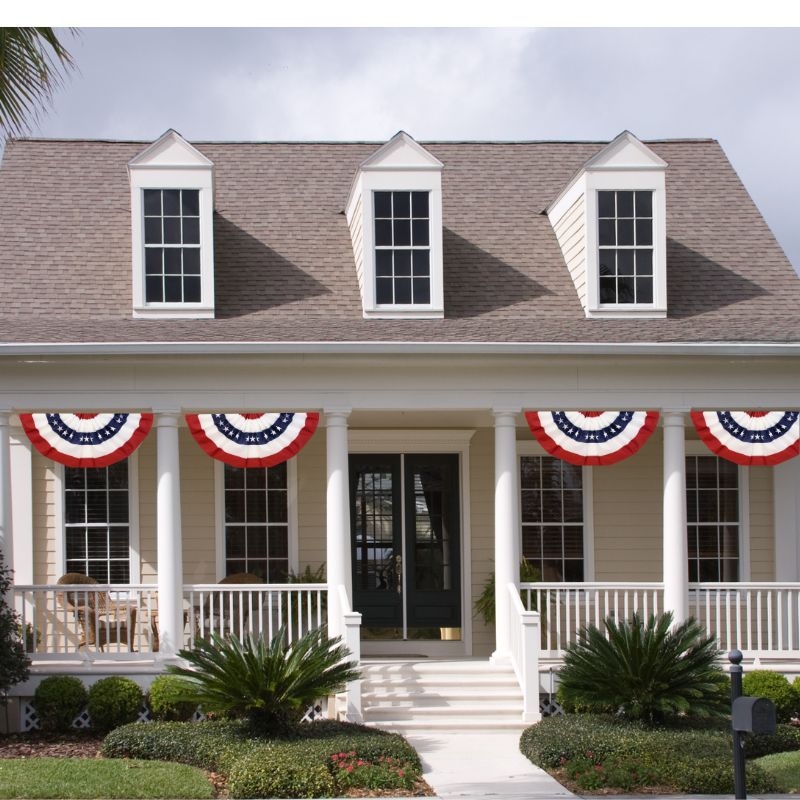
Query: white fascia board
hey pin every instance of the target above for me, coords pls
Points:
(36, 350)
(625, 152)
(170, 150)
(566, 199)
(401, 152)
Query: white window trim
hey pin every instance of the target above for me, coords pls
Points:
(696, 448)
(219, 516)
(172, 163)
(135, 568)
(526, 447)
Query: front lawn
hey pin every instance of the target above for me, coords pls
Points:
(84, 778)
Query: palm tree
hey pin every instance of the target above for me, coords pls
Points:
(32, 63)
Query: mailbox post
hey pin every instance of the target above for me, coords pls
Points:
(748, 715)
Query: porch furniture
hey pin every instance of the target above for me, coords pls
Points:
(103, 620)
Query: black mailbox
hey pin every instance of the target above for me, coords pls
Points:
(754, 714)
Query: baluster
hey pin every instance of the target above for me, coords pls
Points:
(738, 608)
(558, 620)
(728, 628)
(749, 618)
(789, 620)
(769, 620)
(779, 601)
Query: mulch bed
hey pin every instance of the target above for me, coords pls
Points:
(49, 745)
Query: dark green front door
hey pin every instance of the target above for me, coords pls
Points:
(406, 542)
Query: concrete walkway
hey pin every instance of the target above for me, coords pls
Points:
(481, 765)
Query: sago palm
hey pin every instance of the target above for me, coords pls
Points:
(647, 671)
(269, 683)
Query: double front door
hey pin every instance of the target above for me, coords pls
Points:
(405, 539)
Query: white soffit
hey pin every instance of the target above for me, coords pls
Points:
(170, 150)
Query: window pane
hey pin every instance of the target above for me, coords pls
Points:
(383, 290)
(402, 262)
(608, 290)
(625, 290)
(96, 510)
(256, 506)
(728, 505)
(191, 261)
(624, 231)
(729, 569)
(573, 542)
(191, 290)
(96, 478)
(234, 542)
(625, 262)
(172, 203)
(422, 262)
(709, 570)
(644, 204)
(256, 543)
(644, 262)
(707, 509)
(383, 262)
(402, 232)
(402, 290)
(75, 507)
(277, 476)
(234, 477)
(573, 505)
(420, 231)
(624, 204)
(532, 543)
(277, 508)
(644, 232)
(118, 475)
(530, 473)
(191, 202)
(573, 570)
(605, 204)
(551, 542)
(707, 472)
(172, 230)
(422, 290)
(153, 264)
(531, 506)
(728, 474)
(76, 543)
(173, 289)
(152, 202)
(97, 543)
(234, 506)
(644, 290)
(606, 231)
(729, 537)
(118, 543)
(551, 473)
(154, 289)
(278, 541)
(419, 204)
(383, 232)
(74, 478)
(401, 204)
(119, 572)
(608, 263)
(117, 506)
(172, 261)
(707, 541)
(383, 204)
(551, 506)
(152, 230)
(191, 231)
(691, 506)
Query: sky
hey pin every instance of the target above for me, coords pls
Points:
(738, 85)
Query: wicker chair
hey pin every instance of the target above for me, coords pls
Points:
(102, 619)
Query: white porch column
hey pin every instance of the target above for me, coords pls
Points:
(338, 570)
(6, 533)
(168, 534)
(676, 556)
(506, 522)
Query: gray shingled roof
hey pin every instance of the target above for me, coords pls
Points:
(284, 262)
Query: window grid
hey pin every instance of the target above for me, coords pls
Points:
(712, 512)
(552, 517)
(96, 522)
(172, 245)
(402, 248)
(257, 522)
(625, 237)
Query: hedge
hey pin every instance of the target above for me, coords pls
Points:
(58, 700)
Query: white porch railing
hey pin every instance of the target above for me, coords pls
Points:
(760, 619)
(121, 621)
(524, 640)
(350, 625)
(253, 609)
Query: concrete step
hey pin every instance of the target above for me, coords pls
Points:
(458, 725)
(463, 695)
(495, 711)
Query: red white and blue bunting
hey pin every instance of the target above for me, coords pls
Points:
(253, 440)
(750, 438)
(592, 438)
(86, 440)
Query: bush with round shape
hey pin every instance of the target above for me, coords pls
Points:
(785, 738)
(113, 702)
(644, 670)
(271, 772)
(164, 700)
(775, 687)
(58, 700)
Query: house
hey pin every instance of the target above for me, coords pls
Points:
(413, 364)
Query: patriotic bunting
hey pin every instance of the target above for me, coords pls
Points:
(592, 438)
(253, 440)
(750, 438)
(86, 440)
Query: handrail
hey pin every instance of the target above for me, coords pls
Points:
(525, 654)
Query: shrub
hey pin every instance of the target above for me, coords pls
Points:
(643, 671)
(591, 773)
(270, 772)
(715, 776)
(113, 702)
(352, 771)
(164, 699)
(14, 664)
(775, 687)
(786, 737)
(270, 684)
(58, 700)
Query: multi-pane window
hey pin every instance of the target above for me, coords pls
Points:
(172, 245)
(712, 511)
(625, 238)
(552, 517)
(96, 521)
(257, 522)
(402, 248)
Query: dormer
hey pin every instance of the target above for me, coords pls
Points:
(394, 212)
(610, 222)
(172, 210)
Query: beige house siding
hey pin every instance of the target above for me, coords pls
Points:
(44, 537)
(571, 234)
(147, 509)
(311, 503)
(762, 525)
(357, 237)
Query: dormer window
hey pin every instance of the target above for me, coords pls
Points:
(395, 217)
(172, 205)
(402, 248)
(610, 222)
(625, 239)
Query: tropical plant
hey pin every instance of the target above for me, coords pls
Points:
(644, 671)
(272, 683)
(32, 64)
(485, 604)
(14, 664)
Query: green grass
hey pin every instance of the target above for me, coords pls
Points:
(89, 778)
(784, 767)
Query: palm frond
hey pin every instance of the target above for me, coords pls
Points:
(32, 65)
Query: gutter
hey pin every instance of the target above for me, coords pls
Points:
(733, 349)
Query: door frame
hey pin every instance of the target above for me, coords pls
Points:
(406, 441)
